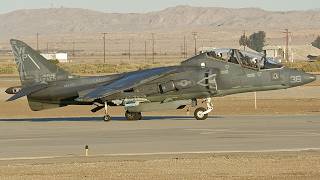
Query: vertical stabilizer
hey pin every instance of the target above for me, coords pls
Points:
(34, 68)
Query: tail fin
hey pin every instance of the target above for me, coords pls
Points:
(34, 68)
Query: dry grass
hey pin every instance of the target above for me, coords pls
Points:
(106, 68)
(8, 69)
(90, 68)
(305, 66)
(274, 165)
(100, 68)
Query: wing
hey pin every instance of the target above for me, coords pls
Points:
(128, 81)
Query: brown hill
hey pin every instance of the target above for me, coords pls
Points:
(67, 20)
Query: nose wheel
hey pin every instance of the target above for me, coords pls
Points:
(202, 113)
(199, 113)
(107, 118)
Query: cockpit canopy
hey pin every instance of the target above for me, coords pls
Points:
(252, 60)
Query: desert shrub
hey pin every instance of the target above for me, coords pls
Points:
(8, 69)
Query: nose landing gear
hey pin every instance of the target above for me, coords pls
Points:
(202, 113)
(106, 117)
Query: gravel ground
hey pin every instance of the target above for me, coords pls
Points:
(268, 165)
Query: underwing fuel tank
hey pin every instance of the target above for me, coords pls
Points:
(156, 106)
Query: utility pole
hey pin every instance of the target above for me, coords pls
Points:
(37, 41)
(153, 48)
(184, 47)
(244, 35)
(287, 44)
(104, 47)
(47, 47)
(129, 49)
(145, 51)
(73, 48)
(195, 34)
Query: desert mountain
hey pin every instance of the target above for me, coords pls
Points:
(68, 20)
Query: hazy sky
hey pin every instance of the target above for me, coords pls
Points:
(152, 5)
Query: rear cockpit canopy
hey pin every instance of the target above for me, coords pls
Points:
(247, 59)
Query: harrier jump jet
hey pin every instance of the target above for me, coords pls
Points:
(217, 73)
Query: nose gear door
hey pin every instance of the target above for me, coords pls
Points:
(209, 81)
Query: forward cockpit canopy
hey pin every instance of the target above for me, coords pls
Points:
(252, 60)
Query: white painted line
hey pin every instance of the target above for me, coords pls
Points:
(164, 153)
(34, 62)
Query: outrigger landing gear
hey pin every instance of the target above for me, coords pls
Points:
(106, 117)
(133, 116)
(202, 113)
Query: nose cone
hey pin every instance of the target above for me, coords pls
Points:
(299, 78)
(308, 78)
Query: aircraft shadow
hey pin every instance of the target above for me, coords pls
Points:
(116, 118)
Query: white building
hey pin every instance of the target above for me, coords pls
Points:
(276, 52)
(61, 57)
(296, 52)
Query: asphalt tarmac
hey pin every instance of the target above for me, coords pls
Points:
(63, 137)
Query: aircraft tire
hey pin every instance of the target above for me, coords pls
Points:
(198, 114)
(133, 116)
(107, 118)
(139, 116)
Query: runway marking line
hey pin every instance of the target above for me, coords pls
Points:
(163, 153)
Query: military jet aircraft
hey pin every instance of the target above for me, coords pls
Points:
(217, 73)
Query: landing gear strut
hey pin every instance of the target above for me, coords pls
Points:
(106, 117)
(202, 113)
(133, 116)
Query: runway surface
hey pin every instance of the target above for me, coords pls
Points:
(29, 138)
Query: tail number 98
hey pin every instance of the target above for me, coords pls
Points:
(295, 79)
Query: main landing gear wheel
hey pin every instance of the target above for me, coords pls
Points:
(199, 113)
(133, 116)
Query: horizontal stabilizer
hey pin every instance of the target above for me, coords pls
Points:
(27, 91)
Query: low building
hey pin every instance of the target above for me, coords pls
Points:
(275, 52)
(61, 57)
(296, 52)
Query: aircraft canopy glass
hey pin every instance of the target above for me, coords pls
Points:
(247, 59)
